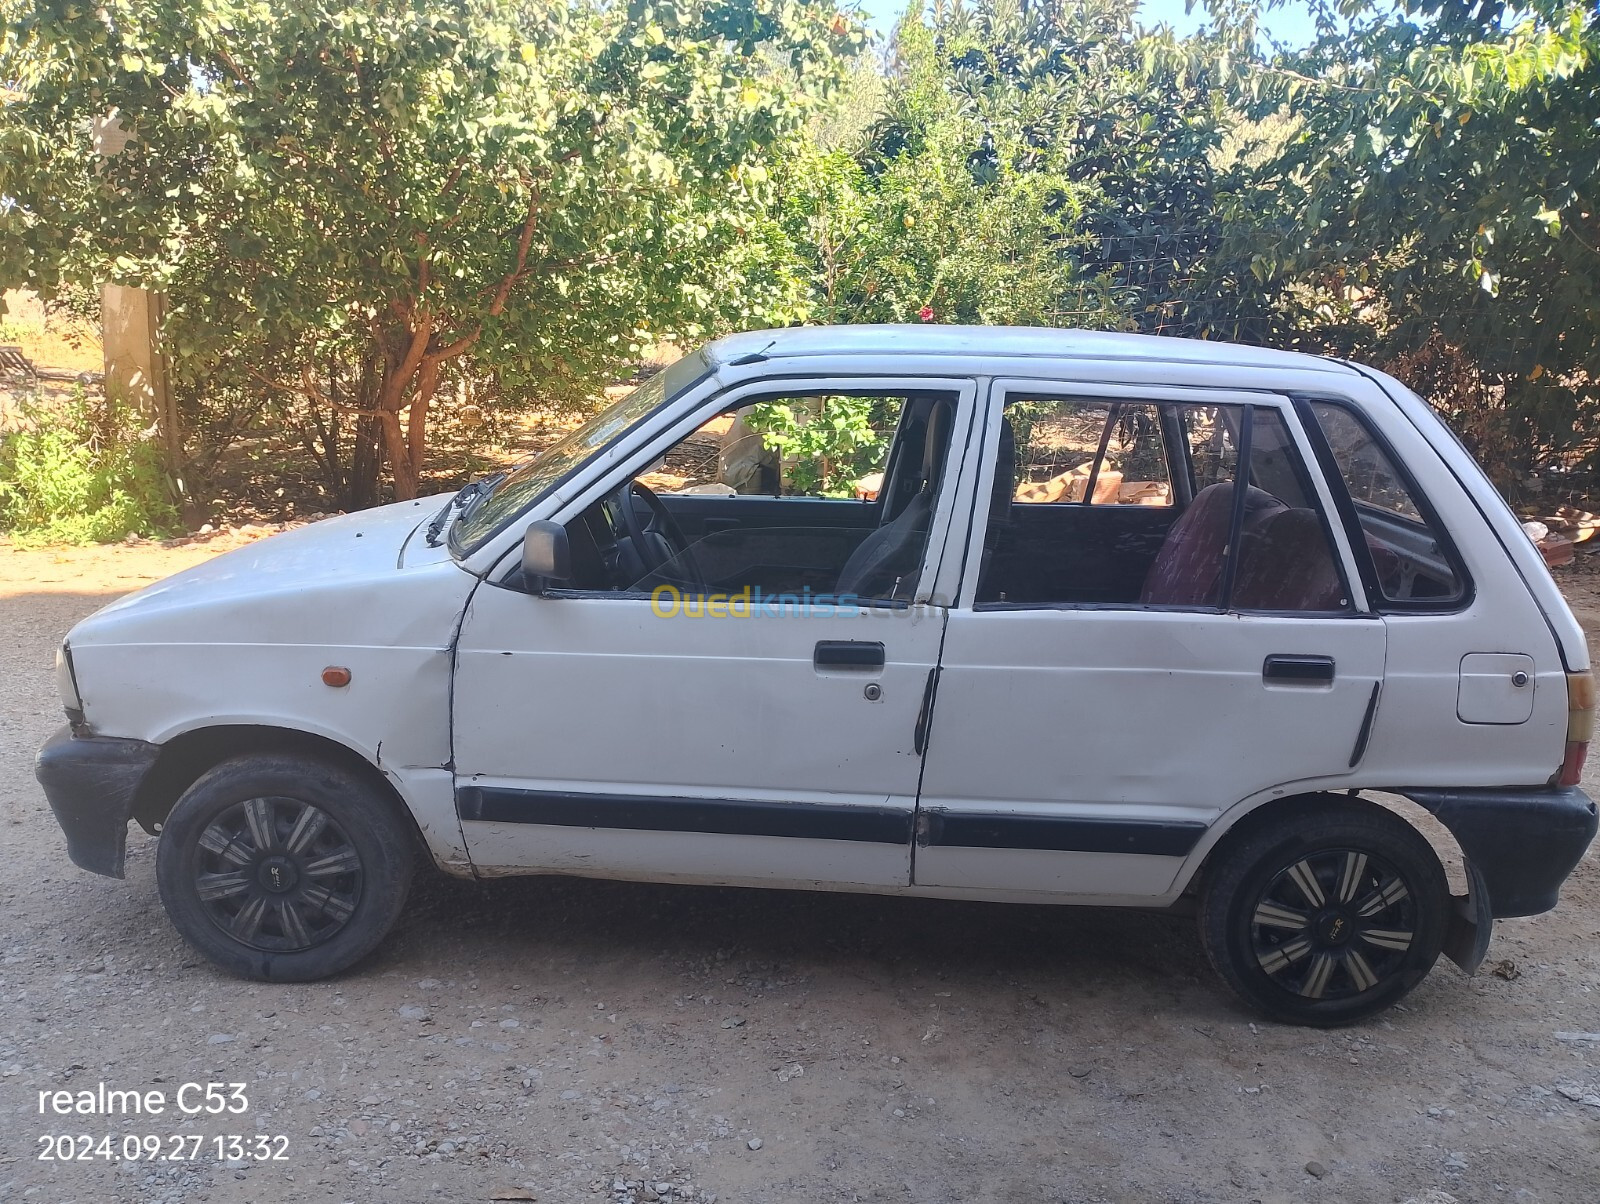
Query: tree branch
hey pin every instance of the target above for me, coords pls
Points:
(309, 388)
(524, 242)
(234, 69)
(395, 383)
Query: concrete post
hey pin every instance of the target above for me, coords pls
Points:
(136, 371)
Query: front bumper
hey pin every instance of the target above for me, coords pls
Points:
(1522, 841)
(91, 782)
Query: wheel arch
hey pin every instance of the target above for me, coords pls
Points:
(188, 755)
(1239, 821)
(1471, 921)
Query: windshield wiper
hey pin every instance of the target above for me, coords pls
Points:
(463, 500)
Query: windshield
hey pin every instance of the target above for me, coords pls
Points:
(528, 482)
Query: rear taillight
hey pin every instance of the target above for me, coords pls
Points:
(1580, 727)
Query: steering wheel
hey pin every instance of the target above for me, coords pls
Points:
(660, 541)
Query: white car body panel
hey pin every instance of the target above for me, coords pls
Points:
(243, 640)
(1417, 738)
(556, 695)
(691, 708)
(1069, 732)
(1508, 530)
(687, 708)
(1048, 712)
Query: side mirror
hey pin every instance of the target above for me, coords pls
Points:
(546, 554)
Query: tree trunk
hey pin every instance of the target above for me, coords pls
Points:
(400, 467)
(417, 420)
(366, 459)
(408, 375)
(407, 444)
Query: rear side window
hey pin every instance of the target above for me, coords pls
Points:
(1413, 564)
(1211, 436)
(1155, 504)
(1087, 453)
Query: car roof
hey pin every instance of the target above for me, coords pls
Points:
(1026, 342)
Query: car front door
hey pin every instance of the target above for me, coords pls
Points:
(1139, 644)
(708, 734)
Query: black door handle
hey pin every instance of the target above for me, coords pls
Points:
(847, 654)
(1297, 669)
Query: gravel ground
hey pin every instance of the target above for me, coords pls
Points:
(562, 1040)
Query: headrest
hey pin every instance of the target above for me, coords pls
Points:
(1187, 571)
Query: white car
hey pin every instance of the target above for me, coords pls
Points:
(1002, 614)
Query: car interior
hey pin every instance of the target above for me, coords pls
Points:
(711, 537)
(1160, 542)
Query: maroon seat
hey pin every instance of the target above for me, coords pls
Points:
(1286, 564)
(1187, 571)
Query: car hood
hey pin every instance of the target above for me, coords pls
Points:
(291, 587)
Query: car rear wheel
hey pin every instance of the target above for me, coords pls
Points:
(283, 868)
(1325, 914)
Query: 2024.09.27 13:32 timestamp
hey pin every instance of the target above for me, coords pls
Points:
(154, 1147)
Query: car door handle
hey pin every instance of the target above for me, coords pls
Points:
(847, 654)
(1297, 670)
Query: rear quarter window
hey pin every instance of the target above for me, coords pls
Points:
(1414, 566)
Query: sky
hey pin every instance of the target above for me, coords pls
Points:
(1290, 23)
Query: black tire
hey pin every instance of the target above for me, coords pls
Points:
(283, 868)
(1325, 914)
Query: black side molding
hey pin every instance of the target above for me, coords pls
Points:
(1061, 834)
(919, 733)
(1364, 734)
(1524, 841)
(661, 813)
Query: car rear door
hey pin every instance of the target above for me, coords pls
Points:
(1158, 652)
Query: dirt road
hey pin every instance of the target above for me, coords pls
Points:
(586, 1041)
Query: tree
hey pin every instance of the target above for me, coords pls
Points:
(346, 200)
(1437, 205)
(1042, 162)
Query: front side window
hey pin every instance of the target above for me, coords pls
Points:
(1412, 564)
(802, 496)
(826, 445)
(1192, 528)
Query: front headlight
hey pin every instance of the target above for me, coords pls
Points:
(67, 684)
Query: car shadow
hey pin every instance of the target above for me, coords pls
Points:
(520, 922)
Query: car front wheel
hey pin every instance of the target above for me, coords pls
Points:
(1325, 914)
(283, 868)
